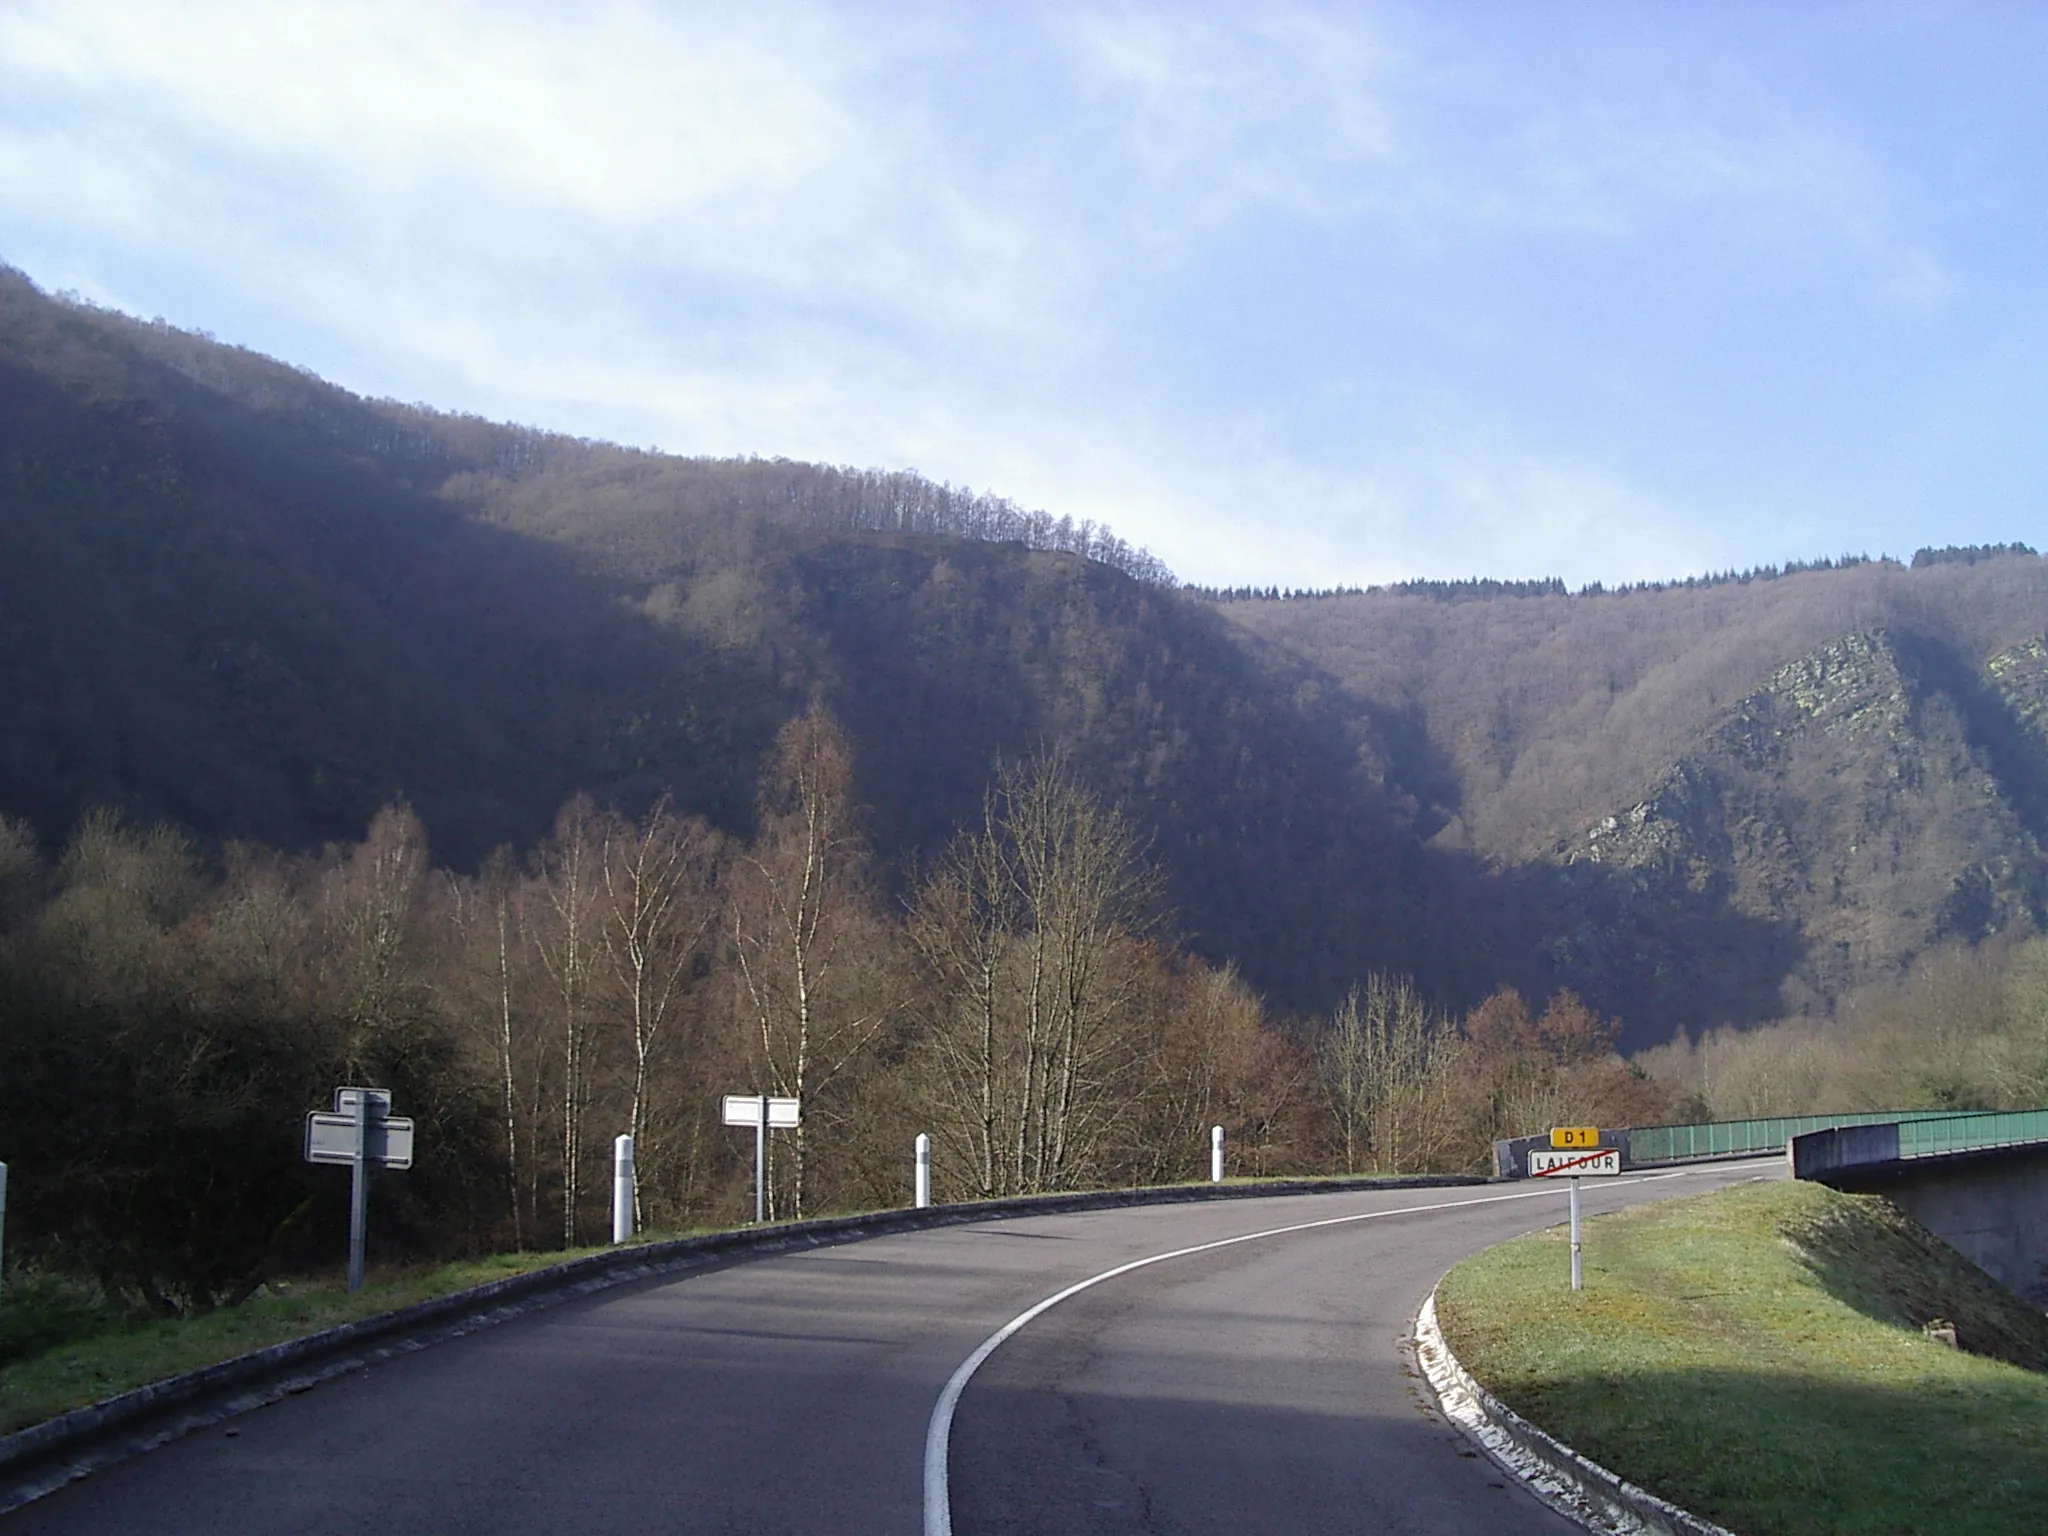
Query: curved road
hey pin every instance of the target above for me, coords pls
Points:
(1258, 1385)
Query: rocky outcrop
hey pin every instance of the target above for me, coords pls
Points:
(1861, 806)
(2020, 679)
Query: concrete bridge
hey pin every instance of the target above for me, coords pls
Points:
(1978, 1182)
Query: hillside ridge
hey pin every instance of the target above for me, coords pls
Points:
(256, 605)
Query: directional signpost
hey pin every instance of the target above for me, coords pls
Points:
(1575, 1153)
(361, 1131)
(763, 1114)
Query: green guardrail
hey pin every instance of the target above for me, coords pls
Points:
(1731, 1138)
(1978, 1132)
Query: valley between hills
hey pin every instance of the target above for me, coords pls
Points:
(564, 786)
(246, 602)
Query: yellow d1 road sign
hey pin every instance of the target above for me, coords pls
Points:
(1602, 1161)
(1575, 1136)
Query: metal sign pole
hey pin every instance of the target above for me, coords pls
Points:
(1577, 1280)
(924, 1170)
(761, 1164)
(3, 1224)
(359, 1194)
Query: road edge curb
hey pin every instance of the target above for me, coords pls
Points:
(1576, 1487)
(43, 1457)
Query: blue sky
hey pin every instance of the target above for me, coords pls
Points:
(1295, 295)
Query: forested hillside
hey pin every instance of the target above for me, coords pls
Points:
(1740, 798)
(254, 605)
(563, 787)
(250, 604)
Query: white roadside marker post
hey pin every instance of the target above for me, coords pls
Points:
(622, 1189)
(923, 1193)
(1216, 1154)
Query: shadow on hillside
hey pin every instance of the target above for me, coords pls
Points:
(248, 622)
(1994, 728)
(1656, 953)
(1282, 850)
(221, 619)
(1290, 830)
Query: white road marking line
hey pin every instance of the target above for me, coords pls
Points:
(938, 1435)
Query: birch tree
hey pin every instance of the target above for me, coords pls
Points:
(659, 913)
(964, 929)
(568, 935)
(371, 901)
(797, 894)
(491, 939)
(1029, 932)
(1085, 893)
(1386, 1061)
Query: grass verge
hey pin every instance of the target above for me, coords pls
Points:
(121, 1352)
(1757, 1356)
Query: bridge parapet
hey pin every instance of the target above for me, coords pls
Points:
(1817, 1154)
(1654, 1146)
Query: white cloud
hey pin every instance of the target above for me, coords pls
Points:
(732, 146)
(1272, 107)
(881, 235)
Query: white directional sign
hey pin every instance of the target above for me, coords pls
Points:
(781, 1115)
(379, 1100)
(387, 1142)
(745, 1109)
(1558, 1165)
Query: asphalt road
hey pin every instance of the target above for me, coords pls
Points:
(1261, 1386)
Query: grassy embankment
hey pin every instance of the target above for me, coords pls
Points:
(1758, 1357)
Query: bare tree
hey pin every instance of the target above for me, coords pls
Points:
(964, 929)
(484, 914)
(1085, 893)
(568, 939)
(371, 902)
(1385, 1066)
(1209, 1057)
(797, 892)
(659, 912)
(1029, 932)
